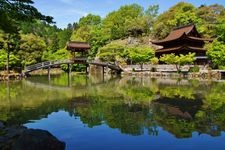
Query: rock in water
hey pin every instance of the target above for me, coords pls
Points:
(35, 139)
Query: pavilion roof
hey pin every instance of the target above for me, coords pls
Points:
(200, 39)
(178, 33)
(71, 45)
(178, 48)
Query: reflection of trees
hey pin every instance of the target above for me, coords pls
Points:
(179, 109)
(131, 105)
(20, 115)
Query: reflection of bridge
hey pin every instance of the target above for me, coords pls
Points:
(80, 89)
(49, 64)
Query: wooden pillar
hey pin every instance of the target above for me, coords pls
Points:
(87, 69)
(103, 70)
(107, 70)
(49, 74)
(69, 68)
(69, 74)
(103, 73)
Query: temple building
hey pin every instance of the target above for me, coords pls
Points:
(183, 40)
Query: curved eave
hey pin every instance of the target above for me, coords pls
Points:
(165, 41)
(199, 39)
(77, 46)
(180, 48)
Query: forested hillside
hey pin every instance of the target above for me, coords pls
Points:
(33, 39)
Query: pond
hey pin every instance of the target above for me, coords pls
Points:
(91, 112)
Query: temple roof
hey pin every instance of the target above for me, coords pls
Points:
(71, 45)
(177, 33)
(200, 39)
(179, 48)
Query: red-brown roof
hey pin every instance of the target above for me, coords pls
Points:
(179, 48)
(200, 39)
(77, 45)
(178, 33)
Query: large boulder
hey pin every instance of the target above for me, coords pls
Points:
(35, 139)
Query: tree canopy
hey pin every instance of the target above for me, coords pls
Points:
(131, 23)
(14, 11)
(178, 60)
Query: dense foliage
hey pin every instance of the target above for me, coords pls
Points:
(216, 49)
(129, 54)
(205, 18)
(14, 11)
(33, 40)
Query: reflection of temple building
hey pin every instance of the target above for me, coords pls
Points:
(183, 40)
(182, 108)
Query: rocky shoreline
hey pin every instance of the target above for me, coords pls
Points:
(190, 75)
(21, 138)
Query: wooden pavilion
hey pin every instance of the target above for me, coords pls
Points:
(183, 40)
(79, 51)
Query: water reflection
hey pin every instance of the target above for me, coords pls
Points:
(131, 105)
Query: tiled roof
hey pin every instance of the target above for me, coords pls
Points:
(179, 48)
(78, 45)
(176, 33)
(200, 39)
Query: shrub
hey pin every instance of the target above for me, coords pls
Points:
(194, 69)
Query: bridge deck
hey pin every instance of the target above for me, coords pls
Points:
(47, 64)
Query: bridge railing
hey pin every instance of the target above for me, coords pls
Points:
(46, 64)
(67, 61)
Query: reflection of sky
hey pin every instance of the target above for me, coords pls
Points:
(69, 11)
(78, 136)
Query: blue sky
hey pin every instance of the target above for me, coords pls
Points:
(69, 11)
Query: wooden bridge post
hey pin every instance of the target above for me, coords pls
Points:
(69, 68)
(49, 69)
(69, 74)
(87, 68)
(103, 70)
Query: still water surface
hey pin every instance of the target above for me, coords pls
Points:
(119, 113)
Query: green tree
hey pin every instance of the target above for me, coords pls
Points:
(211, 16)
(154, 60)
(64, 35)
(216, 49)
(220, 30)
(110, 52)
(180, 14)
(31, 49)
(151, 14)
(178, 60)
(139, 54)
(10, 44)
(114, 23)
(13, 60)
(98, 39)
(216, 53)
(85, 25)
(14, 11)
(47, 32)
(89, 20)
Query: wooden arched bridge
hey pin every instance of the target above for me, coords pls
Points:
(49, 64)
